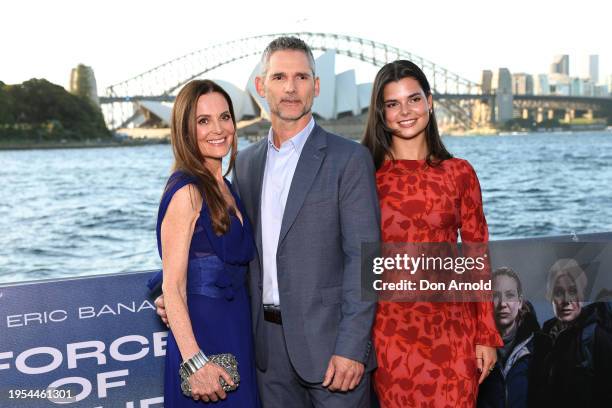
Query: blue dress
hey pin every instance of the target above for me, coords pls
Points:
(217, 299)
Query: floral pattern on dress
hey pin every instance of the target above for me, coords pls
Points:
(426, 351)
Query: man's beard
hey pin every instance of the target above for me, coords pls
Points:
(305, 111)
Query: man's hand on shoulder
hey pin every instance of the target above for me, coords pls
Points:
(343, 374)
(160, 308)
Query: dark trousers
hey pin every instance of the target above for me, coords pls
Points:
(280, 386)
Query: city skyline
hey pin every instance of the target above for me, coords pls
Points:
(558, 81)
(466, 39)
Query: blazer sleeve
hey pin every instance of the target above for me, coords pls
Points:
(235, 181)
(359, 223)
(474, 230)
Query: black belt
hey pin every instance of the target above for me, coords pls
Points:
(272, 313)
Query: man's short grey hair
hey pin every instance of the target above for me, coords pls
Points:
(286, 43)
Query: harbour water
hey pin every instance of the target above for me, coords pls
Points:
(73, 212)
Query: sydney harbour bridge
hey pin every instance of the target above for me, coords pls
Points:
(465, 103)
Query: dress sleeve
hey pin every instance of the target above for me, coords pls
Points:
(474, 230)
(473, 223)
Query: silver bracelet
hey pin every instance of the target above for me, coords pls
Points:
(193, 364)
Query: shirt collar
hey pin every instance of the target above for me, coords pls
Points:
(298, 141)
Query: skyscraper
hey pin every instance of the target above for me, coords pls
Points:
(486, 81)
(502, 82)
(594, 68)
(541, 85)
(560, 65)
(522, 84)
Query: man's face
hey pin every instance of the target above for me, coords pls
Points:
(288, 86)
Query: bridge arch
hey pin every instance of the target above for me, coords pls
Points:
(161, 82)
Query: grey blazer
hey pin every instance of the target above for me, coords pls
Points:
(331, 209)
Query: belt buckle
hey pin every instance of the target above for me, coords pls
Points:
(272, 314)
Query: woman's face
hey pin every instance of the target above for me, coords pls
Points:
(566, 299)
(406, 108)
(506, 300)
(214, 127)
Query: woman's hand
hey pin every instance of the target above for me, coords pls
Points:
(485, 360)
(205, 383)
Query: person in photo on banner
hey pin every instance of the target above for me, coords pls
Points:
(429, 354)
(508, 383)
(572, 363)
(311, 196)
(205, 241)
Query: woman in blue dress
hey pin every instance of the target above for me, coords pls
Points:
(205, 242)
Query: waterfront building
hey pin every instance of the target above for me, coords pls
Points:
(541, 85)
(83, 83)
(347, 95)
(364, 91)
(325, 104)
(576, 87)
(594, 68)
(486, 81)
(588, 88)
(560, 65)
(601, 91)
(502, 82)
(522, 84)
(560, 84)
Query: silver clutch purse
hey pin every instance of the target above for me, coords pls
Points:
(226, 361)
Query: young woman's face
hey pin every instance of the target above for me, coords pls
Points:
(566, 299)
(406, 108)
(506, 300)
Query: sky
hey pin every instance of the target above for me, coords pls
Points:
(120, 39)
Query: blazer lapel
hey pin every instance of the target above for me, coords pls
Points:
(307, 168)
(256, 180)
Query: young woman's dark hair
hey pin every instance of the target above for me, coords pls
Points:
(187, 155)
(378, 136)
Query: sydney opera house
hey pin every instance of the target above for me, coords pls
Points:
(341, 97)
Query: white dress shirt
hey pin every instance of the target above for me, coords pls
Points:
(280, 167)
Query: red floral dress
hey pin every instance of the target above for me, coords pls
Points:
(426, 351)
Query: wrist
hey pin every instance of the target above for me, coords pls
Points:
(190, 353)
(193, 364)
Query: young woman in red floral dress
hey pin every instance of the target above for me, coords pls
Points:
(429, 354)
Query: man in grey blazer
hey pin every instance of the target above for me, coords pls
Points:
(311, 196)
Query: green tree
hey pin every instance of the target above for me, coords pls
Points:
(6, 105)
(39, 106)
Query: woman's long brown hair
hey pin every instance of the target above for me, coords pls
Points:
(187, 155)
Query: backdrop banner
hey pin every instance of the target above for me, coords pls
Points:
(82, 342)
